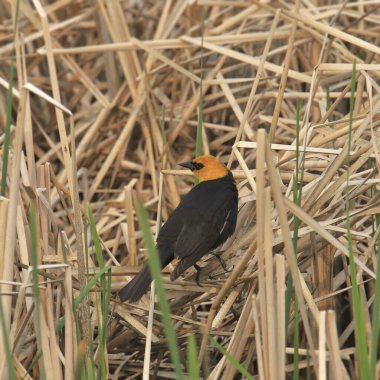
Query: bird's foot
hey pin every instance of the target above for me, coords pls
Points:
(198, 269)
(221, 261)
(212, 277)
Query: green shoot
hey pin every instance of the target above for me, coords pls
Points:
(358, 304)
(230, 358)
(155, 270)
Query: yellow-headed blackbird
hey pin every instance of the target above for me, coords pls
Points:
(203, 220)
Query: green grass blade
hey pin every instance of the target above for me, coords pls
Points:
(155, 270)
(230, 358)
(4, 172)
(95, 238)
(105, 285)
(192, 358)
(91, 283)
(90, 360)
(8, 120)
(358, 304)
(296, 373)
(36, 290)
(34, 362)
(8, 353)
(297, 195)
(308, 367)
(7, 138)
(376, 311)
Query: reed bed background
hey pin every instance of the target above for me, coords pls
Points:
(98, 102)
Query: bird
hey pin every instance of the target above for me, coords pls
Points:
(203, 220)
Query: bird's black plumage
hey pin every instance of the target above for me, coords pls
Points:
(203, 220)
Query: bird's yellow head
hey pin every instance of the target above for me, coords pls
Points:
(206, 168)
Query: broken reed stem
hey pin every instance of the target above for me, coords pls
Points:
(284, 76)
(289, 251)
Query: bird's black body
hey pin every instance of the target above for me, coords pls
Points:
(203, 220)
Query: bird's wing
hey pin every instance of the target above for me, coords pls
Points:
(228, 227)
(195, 240)
(211, 227)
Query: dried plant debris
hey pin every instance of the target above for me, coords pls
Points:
(106, 100)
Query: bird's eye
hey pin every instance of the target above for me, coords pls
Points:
(198, 166)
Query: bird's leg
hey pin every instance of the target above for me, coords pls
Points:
(221, 262)
(198, 269)
(235, 313)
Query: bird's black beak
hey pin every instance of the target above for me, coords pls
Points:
(189, 165)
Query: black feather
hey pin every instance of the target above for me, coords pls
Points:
(203, 220)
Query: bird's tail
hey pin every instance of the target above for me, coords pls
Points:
(136, 288)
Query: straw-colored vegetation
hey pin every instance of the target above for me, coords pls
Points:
(104, 104)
